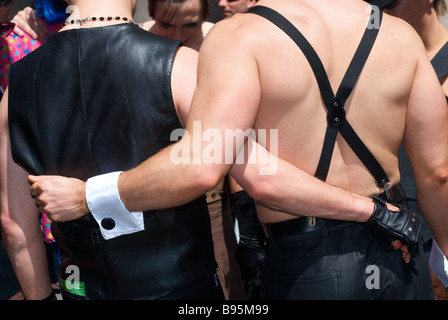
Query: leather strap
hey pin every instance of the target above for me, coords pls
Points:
(440, 62)
(336, 121)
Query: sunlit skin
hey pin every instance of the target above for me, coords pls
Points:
(186, 25)
(421, 15)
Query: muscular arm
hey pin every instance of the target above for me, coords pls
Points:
(164, 181)
(227, 97)
(426, 143)
(20, 220)
(289, 191)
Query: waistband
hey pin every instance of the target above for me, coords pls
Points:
(303, 225)
(299, 226)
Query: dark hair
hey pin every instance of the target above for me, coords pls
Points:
(51, 10)
(175, 4)
(4, 2)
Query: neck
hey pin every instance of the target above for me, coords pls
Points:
(82, 9)
(433, 33)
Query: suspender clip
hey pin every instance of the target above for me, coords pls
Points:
(388, 191)
(336, 115)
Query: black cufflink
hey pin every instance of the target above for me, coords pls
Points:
(108, 223)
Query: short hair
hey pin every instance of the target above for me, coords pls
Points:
(440, 7)
(4, 2)
(175, 4)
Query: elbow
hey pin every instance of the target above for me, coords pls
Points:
(206, 178)
(435, 181)
(262, 188)
(438, 178)
(12, 234)
(262, 192)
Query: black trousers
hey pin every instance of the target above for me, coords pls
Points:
(207, 288)
(251, 250)
(347, 261)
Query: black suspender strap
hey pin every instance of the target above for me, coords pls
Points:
(336, 121)
(440, 62)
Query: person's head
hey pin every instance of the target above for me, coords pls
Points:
(179, 19)
(231, 7)
(439, 5)
(413, 11)
(51, 10)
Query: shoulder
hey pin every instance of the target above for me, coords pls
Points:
(398, 44)
(399, 34)
(183, 80)
(231, 34)
(186, 58)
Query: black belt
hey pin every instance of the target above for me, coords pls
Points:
(300, 226)
(304, 225)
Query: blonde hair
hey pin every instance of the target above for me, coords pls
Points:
(440, 7)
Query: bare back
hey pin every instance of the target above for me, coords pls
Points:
(290, 100)
(376, 109)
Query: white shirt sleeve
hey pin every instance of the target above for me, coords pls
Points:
(105, 204)
(439, 264)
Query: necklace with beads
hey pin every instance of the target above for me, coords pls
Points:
(95, 19)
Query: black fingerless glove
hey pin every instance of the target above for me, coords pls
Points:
(402, 225)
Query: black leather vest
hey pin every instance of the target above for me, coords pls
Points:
(92, 101)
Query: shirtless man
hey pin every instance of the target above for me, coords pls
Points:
(424, 16)
(261, 80)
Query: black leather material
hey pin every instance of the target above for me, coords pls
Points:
(91, 101)
(402, 225)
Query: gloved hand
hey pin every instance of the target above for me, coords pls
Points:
(402, 225)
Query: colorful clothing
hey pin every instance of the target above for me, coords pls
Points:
(15, 48)
(46, 228)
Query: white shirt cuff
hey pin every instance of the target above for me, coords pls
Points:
(439, 264)
(107, 208)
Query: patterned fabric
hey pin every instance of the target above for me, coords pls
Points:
(15, 48)
(46, 228)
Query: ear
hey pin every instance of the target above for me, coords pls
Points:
(429, 4)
